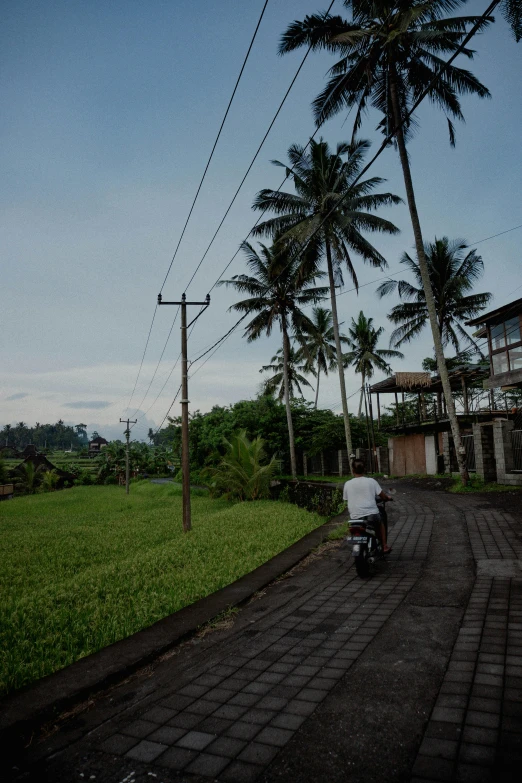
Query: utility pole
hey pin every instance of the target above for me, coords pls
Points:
(185, 461)
(128, 422)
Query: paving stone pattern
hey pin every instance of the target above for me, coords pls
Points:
(475, 729)
(228, 721)
(493, 534)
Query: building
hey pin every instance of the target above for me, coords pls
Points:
(96, 445)
(503, 329)
(420, 438)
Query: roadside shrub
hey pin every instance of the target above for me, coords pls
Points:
(27, 478)
(242, 474)
(326, 501)
(49, 481)
(85, 478)
(111, 479)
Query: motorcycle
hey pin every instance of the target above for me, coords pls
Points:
(366, 541)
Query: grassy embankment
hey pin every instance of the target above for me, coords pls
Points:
(85, 567)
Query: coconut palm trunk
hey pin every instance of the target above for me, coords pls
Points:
(317, 388)
(339, 352)
(286, 355)
(423, 267)
(362, 395)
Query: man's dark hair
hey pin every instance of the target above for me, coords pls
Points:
(358, 466)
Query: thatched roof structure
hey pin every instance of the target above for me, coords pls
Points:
(408, 382)
(412, 380)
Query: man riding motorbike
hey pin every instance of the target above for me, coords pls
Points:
(361, 493)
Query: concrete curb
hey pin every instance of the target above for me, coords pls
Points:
(24, 711)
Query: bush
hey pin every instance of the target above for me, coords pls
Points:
(49, 481)
(3, 473)
(241, 474)
(326, 501)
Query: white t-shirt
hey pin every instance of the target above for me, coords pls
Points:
(360, 494)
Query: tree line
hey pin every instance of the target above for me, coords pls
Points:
(391, 55)
(264, 417)
(43, 436)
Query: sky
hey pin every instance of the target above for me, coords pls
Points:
(110, 112)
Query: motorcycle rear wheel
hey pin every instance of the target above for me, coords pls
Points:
(362, 565)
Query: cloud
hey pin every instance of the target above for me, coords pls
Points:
(18, 396)
(94, 404)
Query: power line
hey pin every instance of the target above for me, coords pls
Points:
(253, 159)
(363, 171)
(495, 235)
(198, 190)
(170, 408)
(215, 143)
(143, 356)
(159, 362)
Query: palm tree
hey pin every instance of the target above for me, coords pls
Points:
(512, 13)
(318, 345)
(364, 355)
(452, 274)
(278, 287)
(329, 214)
(29, 476)
(243, 472)
(389, 57)
(275, 384)
(7, 431)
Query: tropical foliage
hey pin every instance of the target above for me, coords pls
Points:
(329, 215)
(363, 354)
(243, 472)
(27, 478)
(278, 288)
(263, 417)
(318, 345)
(50, 479)
(274, 384)
(50, 436)
(390, 57)
(453, 273)
(142, 459)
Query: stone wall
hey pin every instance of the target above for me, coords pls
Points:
(504, 453)
(344, 462)
(383, 460)
(485, 461)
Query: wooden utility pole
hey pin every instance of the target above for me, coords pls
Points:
(128, 422)
(185, 461)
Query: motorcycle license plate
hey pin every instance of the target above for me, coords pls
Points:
(357, 539)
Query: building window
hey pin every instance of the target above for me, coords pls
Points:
(504, 336)
(500, 363)
(515, 358)
(498, 339)
(513, 331)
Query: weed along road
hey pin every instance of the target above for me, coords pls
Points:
(413, 674)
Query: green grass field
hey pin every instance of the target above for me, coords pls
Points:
(85, 567)
(60, 459)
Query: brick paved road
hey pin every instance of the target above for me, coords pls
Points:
(243, 706)
(475, 728)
